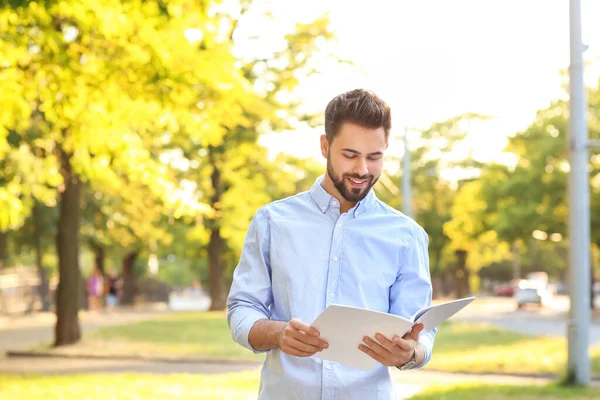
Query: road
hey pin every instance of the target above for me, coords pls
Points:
(502, 312)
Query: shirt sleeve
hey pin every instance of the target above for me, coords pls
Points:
(250, 296)
(412, 289)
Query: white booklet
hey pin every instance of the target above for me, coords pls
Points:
(344, 327)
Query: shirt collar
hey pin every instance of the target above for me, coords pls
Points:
(324, 200)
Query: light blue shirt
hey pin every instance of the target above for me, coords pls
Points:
(301, 255)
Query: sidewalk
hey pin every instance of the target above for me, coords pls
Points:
(123, 314)
(24, 331)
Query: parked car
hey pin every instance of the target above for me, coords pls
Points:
(532, 293)
(506, 289)
(561, 288)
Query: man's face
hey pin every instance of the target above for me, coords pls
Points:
(354, 160)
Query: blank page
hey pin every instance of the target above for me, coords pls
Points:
(344, 327)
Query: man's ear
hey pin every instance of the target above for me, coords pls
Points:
(324, 146)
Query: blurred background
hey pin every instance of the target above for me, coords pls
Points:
(138, 138)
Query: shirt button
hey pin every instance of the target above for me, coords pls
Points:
(340, 226)
(332, 295)
(334, 258)
(334, 203)
(323, 208)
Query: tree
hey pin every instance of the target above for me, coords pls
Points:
(532, 196)
(37, 234)
(237, 167)
(106, 82)
(130, 223)
(471, 237)
(433, 195)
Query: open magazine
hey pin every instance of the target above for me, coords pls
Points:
(344, 327)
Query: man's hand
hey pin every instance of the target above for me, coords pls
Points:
(393, 352)
(299, 339)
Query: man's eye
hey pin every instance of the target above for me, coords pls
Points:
(349, 156)
(375, 158)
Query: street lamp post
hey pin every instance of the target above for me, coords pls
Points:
(579, 210)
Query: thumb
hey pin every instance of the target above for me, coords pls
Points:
(414, 333)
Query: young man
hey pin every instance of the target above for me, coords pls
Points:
(336, 243)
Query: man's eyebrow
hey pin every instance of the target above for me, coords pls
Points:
(377, 153)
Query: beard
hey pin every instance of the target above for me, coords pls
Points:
(349, 193)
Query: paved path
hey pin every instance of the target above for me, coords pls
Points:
(548, 321)
(21, 333)
(47, 365)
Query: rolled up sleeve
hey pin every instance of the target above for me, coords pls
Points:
(250, 296)
(412, 288)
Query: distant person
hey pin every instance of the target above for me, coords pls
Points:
(336, 243)
(114, 285)
(95, 290)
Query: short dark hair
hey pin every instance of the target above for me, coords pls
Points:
(361, 107)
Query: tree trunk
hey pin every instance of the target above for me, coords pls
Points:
(3, 257)
(99, 257)
(216, 245)
(437, 285)
(516, 261)
(129, 286)
(3, 249)
(437, 281)
(39, 259)
(462, 274)
(67, 245)
(449, 282)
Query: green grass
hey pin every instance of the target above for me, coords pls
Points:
(239, 385)
(458, 346)
(183, 334)
(242, 385)
(500, 392)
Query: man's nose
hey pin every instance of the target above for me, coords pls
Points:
(360, 168)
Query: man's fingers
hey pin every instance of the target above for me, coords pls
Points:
(404, 344)
(418, 328)
(371, 353)
(304, 336)
(414, 333)
(295, 344)
(304, 327)
(376, 347)
(307, 339)
(295, 352)
(385, 342)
